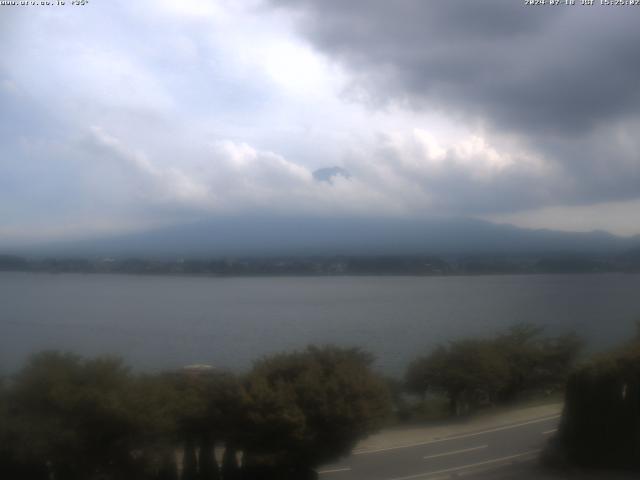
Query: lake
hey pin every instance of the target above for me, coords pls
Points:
(169, 321)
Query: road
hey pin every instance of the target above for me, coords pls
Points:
(507, 451)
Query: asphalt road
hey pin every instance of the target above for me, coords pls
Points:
(503, 452)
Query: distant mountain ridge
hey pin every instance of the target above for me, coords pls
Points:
(274, 235)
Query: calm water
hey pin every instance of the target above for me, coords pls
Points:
(160, 322)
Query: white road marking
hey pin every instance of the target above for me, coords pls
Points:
(455, 437)
(548, 432)
(454, 452)
(334, 470)
(465, 467)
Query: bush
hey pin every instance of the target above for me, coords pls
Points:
(311, 407)
(601, 421)
(476, 372)
(71, 418)
(73, 415)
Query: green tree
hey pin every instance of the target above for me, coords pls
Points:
(207, 461)
(230, 468)
(600, 425)
(168, 467)
(424, 374)
(178, 409)
(473, 372)
(468, 372)
(73, 415)
(310, 407)
(190, 462)
(536, 362)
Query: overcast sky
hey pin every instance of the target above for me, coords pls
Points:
(123, 115)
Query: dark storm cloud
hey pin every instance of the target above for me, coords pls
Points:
(129, 115)
(560, 79)
(550, 69)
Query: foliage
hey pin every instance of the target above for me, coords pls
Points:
(71, 414)
(66, 417)
(601, 420)
(190, 462)
(475, 372)
(77, 418)
(310, 407)
(469, 372)
(207, 463)
(230, 469)
(536, 363)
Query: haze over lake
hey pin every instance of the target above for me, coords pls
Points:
(168, 321)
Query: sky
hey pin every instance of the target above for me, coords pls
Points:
(120, 116)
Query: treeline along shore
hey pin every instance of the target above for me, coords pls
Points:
(63, 416)
(333, 265)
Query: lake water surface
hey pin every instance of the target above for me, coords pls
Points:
(167, 321)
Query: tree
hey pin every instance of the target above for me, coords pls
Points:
(73, 415)
(536, 362)
(468, 372)
(424, 373)
(309, 407)
(208, 465)
(600, 425)
(559, 355)
(168, 468)
(14, 461)
(190, 461)
(230, 468)
(473, 372)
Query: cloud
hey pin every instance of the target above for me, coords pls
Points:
(470, 175)
(405, 173)
(150, 113)
(225, 175)
(556, 80)
(566, 69)
(8, 86)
